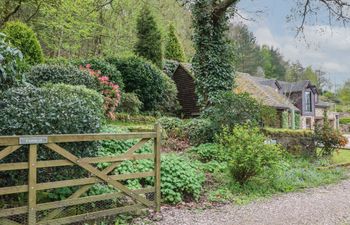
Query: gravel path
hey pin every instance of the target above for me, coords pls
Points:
(323, 205)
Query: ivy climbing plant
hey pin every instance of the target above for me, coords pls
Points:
(212, 62)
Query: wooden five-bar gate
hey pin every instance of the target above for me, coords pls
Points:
(54, 210)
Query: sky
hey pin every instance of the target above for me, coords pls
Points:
(322, 46)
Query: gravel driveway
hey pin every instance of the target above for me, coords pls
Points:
(322, 205)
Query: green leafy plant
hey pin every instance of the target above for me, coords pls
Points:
(41, 74)
(173, 47)
(230, 109)
(199, 131)
(209, 152)
(285, 119)
(327, 138)
(149, 39)
(24, 38)
(52, 109)
(154, 89)
(212, 62)
(130, 104)
(105, 68)
(9, 59)
(180, 179)
(247, 153)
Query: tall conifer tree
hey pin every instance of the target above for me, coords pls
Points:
(149, 44)
(173, 47)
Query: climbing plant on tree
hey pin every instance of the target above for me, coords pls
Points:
(173, 47)
(212, 62)
(149, 43)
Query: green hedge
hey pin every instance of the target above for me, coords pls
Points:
(67, 74)
(52, 109)
(287, 132)
(345, 120)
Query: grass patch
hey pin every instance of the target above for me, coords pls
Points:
(291, 175)
(341, 156)
(132, 125)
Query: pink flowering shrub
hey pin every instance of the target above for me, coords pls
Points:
(108, 89)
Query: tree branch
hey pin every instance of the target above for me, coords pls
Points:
(221, 8)
(8, 16)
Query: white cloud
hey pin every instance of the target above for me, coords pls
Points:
(324, 47)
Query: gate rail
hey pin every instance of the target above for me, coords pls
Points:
(13, 143)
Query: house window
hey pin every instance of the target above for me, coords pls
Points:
(308, 102)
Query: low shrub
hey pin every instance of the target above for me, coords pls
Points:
(181, 179)
(108, 89)
(130, 104)
(105, 68)
(199, 131)
(41, 74)
(328, 139)
(170, 123)
(230, 109)
(208, 152)
(125, 117)
(247, 153)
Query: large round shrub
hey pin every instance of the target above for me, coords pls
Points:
(155, 90)
(67, 74)
(52, 109)
(102, 65)
(24, 38)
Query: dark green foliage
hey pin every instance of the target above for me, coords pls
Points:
(199, 131)
(102, 65)
(173, 47)
(149, 43)
(154, 89)
(67, 74)
(209, 152)
(230, 109)
(130, 104)
(9, 64)
(24, 38)
(53, 109)
(212, 63)
(246, 152)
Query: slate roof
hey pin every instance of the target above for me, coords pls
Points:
(263, 93)
(322, 104)
(288, 87)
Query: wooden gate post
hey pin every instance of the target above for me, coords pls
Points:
(32, 184)
(157, 147)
